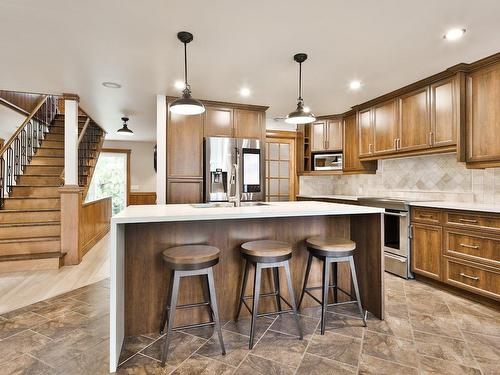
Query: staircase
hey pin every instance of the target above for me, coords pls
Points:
(30, 227)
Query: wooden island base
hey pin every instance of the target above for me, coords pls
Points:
(147, 278)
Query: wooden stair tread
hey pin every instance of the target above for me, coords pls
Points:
(31, 224)
(30, 239)
(55, 254)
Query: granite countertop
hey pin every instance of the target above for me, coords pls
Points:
(186, 212)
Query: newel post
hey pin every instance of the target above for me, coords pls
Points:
(71, 194)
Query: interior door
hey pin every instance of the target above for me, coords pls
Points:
(385, 125)
(280, 169)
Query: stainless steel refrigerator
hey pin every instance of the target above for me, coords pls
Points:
(230, 162)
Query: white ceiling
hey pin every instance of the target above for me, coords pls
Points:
(73, 46)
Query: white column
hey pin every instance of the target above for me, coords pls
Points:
(71, 141)
(161, 149)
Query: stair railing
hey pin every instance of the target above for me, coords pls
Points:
(88, 149)
(18, 151)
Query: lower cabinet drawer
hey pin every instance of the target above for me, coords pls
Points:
(473, 221)
(472, 278)
(474, 247)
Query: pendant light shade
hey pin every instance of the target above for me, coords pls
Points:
(125, 130)
(300, 115)
(186, 105)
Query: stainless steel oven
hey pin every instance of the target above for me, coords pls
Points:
(327, 162)
(396, 239)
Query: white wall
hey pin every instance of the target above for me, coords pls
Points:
(10, 120)
(143, 175)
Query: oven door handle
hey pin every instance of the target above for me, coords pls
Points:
(396, 214)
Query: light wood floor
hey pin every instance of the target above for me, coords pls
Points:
(19, 289)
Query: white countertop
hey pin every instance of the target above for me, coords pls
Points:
(467, 206)
(186, 212)
(342, 197)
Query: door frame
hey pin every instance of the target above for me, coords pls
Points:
(288, 135)
(122, 151)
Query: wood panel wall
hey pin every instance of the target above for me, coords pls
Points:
(23, 100)
(95, 218)
(142, 197)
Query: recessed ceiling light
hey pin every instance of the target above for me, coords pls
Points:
(454, 34)
(245, 91)
(111, 85)
(179, 85)
(355, 85)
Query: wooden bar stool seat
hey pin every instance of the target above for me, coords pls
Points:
(330, 251)
(272, 255)
(191, 257)
(184, 261)
(267, 249)
(331, 246)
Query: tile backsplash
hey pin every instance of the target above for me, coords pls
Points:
(436, 177)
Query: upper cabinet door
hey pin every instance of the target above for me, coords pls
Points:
(185, 145)
(248, 124)
(218, 122)
(444, 113)
(334, 135)
(483, 114)
(365, 132)
(318, 139)
(350, 160)
(414, 121)
(385, 125)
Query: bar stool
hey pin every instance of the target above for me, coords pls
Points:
(266, 254)
(184, 261)
(331, 250)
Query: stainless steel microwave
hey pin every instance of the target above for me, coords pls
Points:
(327, 162)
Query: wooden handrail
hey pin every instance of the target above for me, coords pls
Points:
(14, 107)
(19, 129)
(86, 114)
(84, 129)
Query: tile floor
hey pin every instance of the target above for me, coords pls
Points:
(427, 331)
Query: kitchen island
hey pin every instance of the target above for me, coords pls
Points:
(139, 279)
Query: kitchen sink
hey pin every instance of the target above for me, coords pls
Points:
(212, 205)
(227, 204)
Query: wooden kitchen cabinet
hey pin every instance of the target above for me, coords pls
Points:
(426, 250)
(365, 132)
(185, 191)
(218, 122)
(326, 135)
(249, 124)
(185, 145)
(444, 115)
(351, 162)
(385, 127)
(483, 117)
(318, 136)
(414, 121)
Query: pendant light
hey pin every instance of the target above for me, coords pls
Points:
(125, 130)
(300, 116)
(186, 105)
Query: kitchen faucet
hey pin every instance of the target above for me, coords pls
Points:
(234, 179)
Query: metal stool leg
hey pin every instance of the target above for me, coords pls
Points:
(214, 308)
(276, 275)
(356, 288)
(243, 287)
(335, 280)
(173, 306)
(292, 298)
(306, 278)
(164, 320)
(324, 301)
(255, 305)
